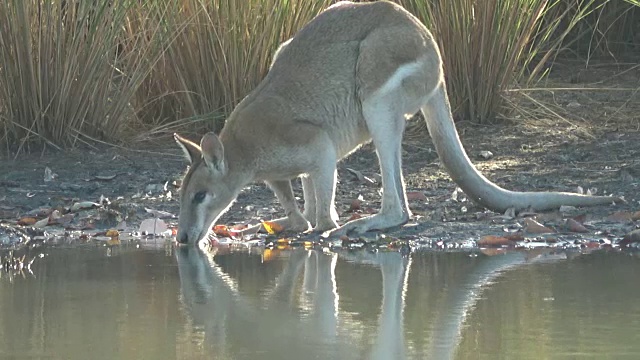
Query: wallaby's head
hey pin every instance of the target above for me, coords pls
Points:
(206, 191)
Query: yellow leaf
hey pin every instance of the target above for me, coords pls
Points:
(272, 227)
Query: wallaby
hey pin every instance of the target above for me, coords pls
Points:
(350, 76)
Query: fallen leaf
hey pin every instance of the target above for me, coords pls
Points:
(354, 217)
(534, 227)
(41, 223)
(355, 205)
(272, 227)
(493, 240)
(221, 230)
(485, 154)
(514, 237)
(624, 216)
(27, 221)
(416, 196)
(105, 177)
(580, 218)
(83, 205)
(153, 226)
(575, 226)
(63, 220)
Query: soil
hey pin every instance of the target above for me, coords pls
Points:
(557, 140)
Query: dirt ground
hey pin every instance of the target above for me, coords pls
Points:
(558, 140)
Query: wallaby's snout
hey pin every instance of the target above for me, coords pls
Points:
(182, 237)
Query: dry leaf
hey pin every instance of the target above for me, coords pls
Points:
(514, 237)
(42, 223)
(221, 230)
(354, 217)
(355, 205)
(416, 196)
(493, 240)
(534, 227)
(105, 177)
(575, 226)
(272, 227)
(84, 205)
(624, 216)
(153, 226)
(27, 221)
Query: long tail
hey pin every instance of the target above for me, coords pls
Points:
(437, 113)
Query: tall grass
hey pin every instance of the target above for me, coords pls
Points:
(611, 30)
(65, 70)
(77, 69)
(221, 51)
(488, 45)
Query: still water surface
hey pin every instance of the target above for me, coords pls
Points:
(171, 303)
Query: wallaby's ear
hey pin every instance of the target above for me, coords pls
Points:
(191, 151)
(212, 151)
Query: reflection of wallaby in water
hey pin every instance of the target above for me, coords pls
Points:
(390, 343)
(230, 319)
(462, 297)
(266, 326)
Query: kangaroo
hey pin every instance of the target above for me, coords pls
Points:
(350, 76)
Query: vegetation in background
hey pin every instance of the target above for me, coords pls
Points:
(68, 69)
(73, 70)
(488, 46)
(220, 51)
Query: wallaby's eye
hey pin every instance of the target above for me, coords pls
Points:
(199, 196)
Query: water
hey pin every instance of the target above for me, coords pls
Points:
(166, 303)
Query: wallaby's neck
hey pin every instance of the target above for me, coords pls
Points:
(240, 171)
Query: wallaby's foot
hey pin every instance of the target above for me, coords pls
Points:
(374, 222)
(325, 225)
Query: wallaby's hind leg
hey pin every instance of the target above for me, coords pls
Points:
(386, 125)
(309, 193)
(294, 220)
